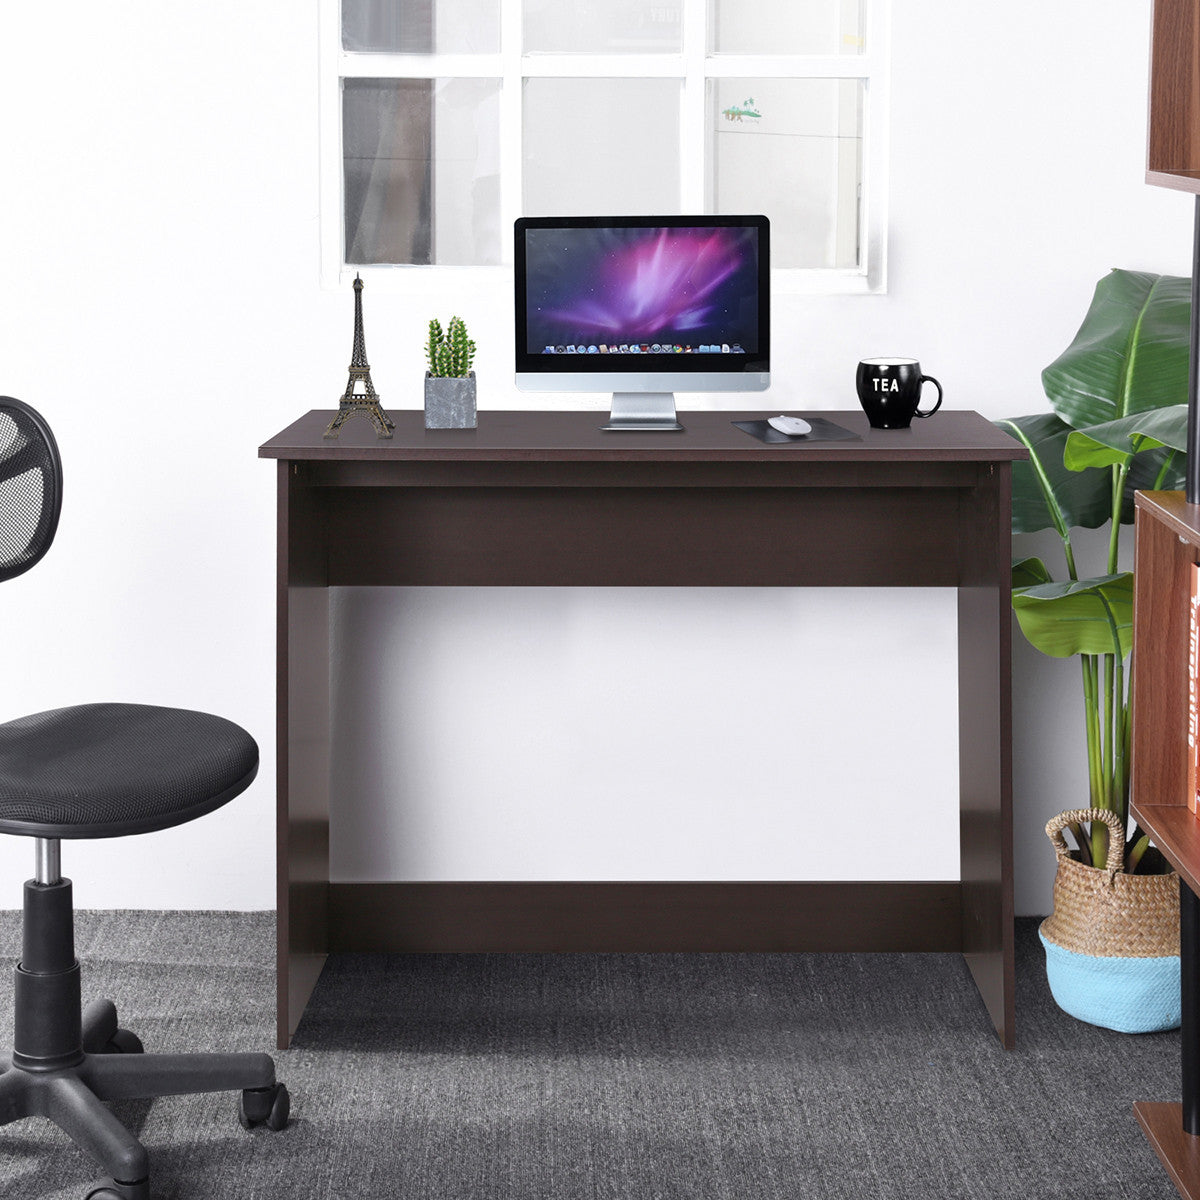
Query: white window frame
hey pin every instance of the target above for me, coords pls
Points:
(693, 66)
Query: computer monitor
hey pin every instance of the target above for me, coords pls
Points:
(643, 307)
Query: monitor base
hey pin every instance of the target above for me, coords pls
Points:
(656, 426)
(643, 411)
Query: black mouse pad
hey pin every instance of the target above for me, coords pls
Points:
(822, 431)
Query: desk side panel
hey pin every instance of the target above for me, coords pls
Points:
(302, 830)
(985, 743)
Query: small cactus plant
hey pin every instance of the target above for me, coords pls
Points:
(451, 353)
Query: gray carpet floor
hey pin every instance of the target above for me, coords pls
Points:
(631, 1077)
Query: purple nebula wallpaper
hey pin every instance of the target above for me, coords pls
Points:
(642, 290)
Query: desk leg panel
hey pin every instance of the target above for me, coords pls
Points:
(985, 748)
(302, 752)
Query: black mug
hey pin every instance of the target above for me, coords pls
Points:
(889, 389)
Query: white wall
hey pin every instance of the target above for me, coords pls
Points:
(160, 303)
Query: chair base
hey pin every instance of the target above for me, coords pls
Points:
(66, 1062)
(72, 1097)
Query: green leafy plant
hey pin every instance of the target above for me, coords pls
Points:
(1119, 423)
(450, 353)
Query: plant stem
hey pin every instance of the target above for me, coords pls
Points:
(1161, 477)
(1082, 844)
(1091, 728)
(1119, 474)
(1069, 552)
(1127, 737)
(1119, 795)
(1100, 754)
(1108, 759)
(1134, 855)
(1098, 848)
(1107, 729)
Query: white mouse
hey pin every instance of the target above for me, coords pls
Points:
(792, 426)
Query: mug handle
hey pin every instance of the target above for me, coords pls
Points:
(930, 379)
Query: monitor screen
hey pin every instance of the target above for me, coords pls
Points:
(675, 294)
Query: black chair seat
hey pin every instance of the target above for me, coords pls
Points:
(107, 770)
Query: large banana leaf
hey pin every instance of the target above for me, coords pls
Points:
(1029, 572)
(1153, 444)
(1130, 354)
(1116, 442)
(1146, 473)
(1078, 498)
(1088, 616)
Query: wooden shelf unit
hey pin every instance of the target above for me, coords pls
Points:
(1173, 141)
(1179, 1152)
(1167, 543)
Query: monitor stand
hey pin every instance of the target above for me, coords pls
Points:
(642, 410)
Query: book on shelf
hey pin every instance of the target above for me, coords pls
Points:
(1193, 708)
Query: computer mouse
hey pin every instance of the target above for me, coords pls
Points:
(792, 426)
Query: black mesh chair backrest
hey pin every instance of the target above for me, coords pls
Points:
(30, 487)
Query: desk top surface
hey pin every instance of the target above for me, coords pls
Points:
(547, 436)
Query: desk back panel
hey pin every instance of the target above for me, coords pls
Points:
(711, 537)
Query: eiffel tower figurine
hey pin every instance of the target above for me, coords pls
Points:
(360, 394)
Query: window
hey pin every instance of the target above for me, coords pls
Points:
(444, 120)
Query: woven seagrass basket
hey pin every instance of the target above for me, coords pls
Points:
(1112, 942)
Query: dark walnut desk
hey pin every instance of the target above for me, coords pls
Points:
(546, 498)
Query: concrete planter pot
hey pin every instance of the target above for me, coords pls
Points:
(450, 401)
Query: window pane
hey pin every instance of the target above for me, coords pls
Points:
(584, 155)
(413, 195)
(792, 149)
(786, 27)
(422, 26)
(603, 26)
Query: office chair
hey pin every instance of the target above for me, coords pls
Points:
(97, 771)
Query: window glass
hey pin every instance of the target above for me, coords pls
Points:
(604, 106)
(421, 170)
(603, 26)
(421, 26)
(786, 27)
(792, 149)
(601, 146)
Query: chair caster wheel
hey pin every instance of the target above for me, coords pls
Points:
(124, 1042)
(111, 1190)
(265, 1106)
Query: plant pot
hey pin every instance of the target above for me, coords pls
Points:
(1112, 941)
(450, 401)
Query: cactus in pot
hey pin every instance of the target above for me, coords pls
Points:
(449, 380)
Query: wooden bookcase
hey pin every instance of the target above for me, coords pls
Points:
(1167, 544)
(1173, 137)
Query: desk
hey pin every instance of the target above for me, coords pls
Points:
(547, 498)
